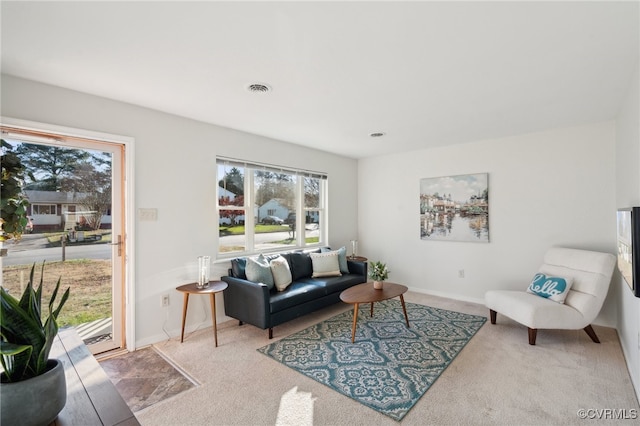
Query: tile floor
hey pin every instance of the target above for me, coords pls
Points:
(144, 378)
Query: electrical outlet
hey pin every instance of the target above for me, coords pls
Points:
(461, 273)
(165, 300)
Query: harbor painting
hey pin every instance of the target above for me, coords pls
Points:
(455, 208)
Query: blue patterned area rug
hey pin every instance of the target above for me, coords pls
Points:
(390, 366)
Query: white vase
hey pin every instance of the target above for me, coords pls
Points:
(378, 285)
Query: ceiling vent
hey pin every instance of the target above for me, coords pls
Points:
(259, 88)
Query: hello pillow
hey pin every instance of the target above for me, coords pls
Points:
(325, 264)
(552, 288)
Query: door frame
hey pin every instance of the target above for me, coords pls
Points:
(129, 208)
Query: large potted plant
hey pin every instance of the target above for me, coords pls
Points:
(33, 388)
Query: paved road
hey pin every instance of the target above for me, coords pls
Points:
(264, 239)
(33, 248)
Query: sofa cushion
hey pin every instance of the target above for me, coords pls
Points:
(238, 266)
(300, 264)
(552, 288)
(259, 271)
(325, 264)
(335, 284)
(296, 294)
(281, 272)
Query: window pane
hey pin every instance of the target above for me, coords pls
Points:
(232, 231)
(275, 198)
(311, 192)
(312, 227)
(280, 201)
(44, 209)
(230, 185)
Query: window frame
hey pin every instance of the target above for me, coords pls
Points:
(249, 168)
(38, 205)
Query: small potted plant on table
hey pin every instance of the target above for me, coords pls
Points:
(378, 272)
(33, 389)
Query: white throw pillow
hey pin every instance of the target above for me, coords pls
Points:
(259, 271)
(281, 272)
(325, 264)
(552, 288)
(342, 258)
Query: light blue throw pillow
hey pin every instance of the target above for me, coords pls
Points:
(259, 271)
(552, 288)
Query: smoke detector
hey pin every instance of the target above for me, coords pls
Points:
(259, 88)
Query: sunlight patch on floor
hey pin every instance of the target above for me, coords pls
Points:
(296, 408)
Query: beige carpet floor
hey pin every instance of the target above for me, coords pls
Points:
(497, 379)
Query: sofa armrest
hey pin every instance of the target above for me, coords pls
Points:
(357, 268)
(247, 301)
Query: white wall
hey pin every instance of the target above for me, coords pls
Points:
(554, 188)
(628, 195)
(175, 172)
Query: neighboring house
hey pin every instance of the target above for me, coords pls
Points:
(222, 192)
(273, 207)
(55, 211)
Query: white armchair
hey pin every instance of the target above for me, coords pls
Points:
(591, 275)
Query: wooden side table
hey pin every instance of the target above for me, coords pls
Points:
(214, 287)
(357, 258)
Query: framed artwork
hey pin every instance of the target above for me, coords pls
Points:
(628, 221)
(455, 208)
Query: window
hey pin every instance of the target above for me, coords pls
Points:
(263, 207)
(48, 209)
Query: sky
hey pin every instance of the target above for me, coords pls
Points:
(461, 187)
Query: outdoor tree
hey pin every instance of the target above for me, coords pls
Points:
(85, 173)
(92, 182)
(233, 181)
(13, 201)
(48, 165)
(232, 215)
(311, 192)
(270, 185)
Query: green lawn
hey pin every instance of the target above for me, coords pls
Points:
(259, 229)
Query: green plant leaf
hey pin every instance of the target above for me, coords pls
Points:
(9, 351)
(21, 326)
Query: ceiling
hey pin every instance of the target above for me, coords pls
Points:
(426, 74)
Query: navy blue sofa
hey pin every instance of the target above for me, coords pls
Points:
(253, 303)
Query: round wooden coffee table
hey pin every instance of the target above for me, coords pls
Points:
(365, 293)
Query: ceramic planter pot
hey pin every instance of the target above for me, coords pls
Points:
(378, 285)
(36, 401)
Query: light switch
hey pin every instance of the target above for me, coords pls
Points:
(148, 214)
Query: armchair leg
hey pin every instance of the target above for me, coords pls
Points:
(589, 330)
(493, 315)
(240, 323)
(533, 332)
(271, 333)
